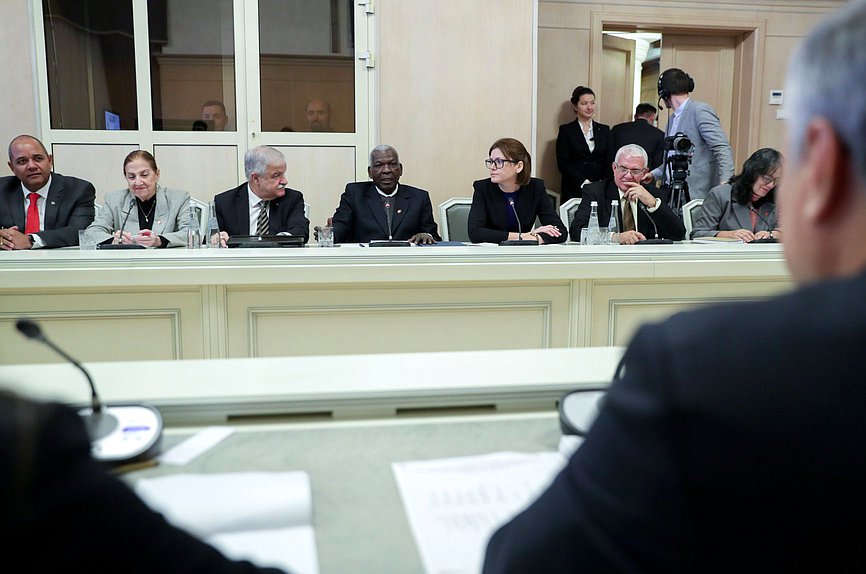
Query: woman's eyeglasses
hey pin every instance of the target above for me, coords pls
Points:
(768, 179)
(498, 162)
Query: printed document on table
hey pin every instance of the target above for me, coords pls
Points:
(454, 505)
(264, 517)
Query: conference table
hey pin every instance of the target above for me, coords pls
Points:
(343, 420)
(170, 304)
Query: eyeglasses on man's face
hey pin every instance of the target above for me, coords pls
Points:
(498, 162)
(635, 172)
(769, 179)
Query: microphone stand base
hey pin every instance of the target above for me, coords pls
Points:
(512, 242)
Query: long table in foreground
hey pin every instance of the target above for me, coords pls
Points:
(216, 391)
(235, 303)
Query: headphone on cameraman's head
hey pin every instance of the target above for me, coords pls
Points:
(674, 81)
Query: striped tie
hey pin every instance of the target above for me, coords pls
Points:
(263, 224)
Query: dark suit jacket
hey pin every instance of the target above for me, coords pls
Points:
(286, 213)
(644, 134)
(576, 162)
(361, 217)
(84, 518)
(68, 209)
(669, 225)
(488, 216)
(718, 451)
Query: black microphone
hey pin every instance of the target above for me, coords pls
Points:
(767, 223)
(125, 219)
(390, 242)
(519, 240)
(118, 434)
(656, 240)
(32, 331)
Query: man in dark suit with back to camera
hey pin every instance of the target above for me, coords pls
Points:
(383, 208)
(643, 132)
(263, 205)
(641, 211)
(736, 438)
(39, 208)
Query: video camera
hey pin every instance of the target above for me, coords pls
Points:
(677, 168)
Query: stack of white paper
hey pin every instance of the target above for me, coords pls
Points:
(264, 517)
(454, 505)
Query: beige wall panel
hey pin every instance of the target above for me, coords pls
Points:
(203, 171)
(100, 164)
(559, 72)
(321, 174)
(93, 325)
(772, 129)
(19, 112)
(412, 318)
(568, 15)
(619, 309)
(453, 77)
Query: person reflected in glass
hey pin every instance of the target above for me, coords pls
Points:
(584, 147)
(145, 213)
(506, 205)
(745, 207)
(319, 116)
(214, 112)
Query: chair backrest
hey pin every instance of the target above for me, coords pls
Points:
(454, 219)
(568, 210)
(201, 210)
(554, 198)
(691, 212)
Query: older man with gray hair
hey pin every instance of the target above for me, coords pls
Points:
(384, 209)
(735, 439)
(263, 205)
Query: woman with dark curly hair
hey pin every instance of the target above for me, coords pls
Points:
(745, 207)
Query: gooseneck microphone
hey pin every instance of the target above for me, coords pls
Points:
(122, 245)
(125, 219)
(118, 434)
(656, 240)
(767, 223)
(32, 331)
(519, 240)
(390, 242)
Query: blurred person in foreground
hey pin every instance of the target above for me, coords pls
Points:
(736, 436)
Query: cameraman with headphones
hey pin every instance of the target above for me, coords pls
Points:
(712, 162)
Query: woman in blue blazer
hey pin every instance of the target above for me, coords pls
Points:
(506, 205)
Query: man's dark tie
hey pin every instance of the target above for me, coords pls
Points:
(263, 224)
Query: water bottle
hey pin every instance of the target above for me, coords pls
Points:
(193, 233)
(593, 235)
(213, 228)
(613, 226)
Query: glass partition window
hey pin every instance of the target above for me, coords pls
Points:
(91, 64)
(192, 65)
(307, 65)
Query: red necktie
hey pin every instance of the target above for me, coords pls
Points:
(32, 225)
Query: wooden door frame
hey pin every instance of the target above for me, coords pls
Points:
(748, 65)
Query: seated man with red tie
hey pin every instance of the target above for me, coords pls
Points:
(642, 215)
(263, 205)
(39, 208)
